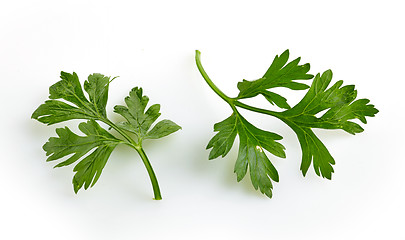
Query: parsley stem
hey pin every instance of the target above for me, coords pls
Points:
(208, 80)
(231, 101)
(152, 176)
(142, 154)
(258, 110)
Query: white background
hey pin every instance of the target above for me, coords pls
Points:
(151, 44)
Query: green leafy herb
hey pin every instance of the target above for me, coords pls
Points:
(97, 141)
(338, 101)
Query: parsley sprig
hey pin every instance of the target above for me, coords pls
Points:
(338, 101)
(136, 128)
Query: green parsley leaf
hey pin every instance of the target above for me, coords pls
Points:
(276, 99)
(339, 103)
(253, 142)
(341, 108)
(69, 89)
(89, 169)
(279, 74)
(98, 142)
(222, 142)
(162, 129)
(139, 121)
(97, 88)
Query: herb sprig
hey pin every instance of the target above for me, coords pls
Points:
(338, 101)
(74, 147)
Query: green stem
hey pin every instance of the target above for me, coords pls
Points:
(152, 176)
(142, 154)
(258, 110)
(231, 101)
(208, 80)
